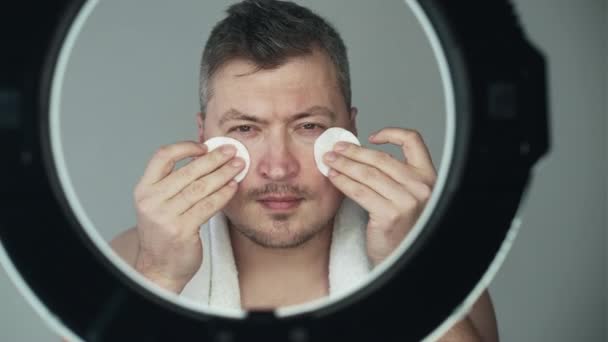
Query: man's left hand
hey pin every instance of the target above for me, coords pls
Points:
(394, 192)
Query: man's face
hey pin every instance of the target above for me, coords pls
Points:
(278, 114)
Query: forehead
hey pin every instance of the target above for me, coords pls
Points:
(299, 83)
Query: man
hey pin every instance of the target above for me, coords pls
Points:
(274, 76)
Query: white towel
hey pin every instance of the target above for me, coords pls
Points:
(216, 282)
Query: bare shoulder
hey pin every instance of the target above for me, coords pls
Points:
(483, 318)
(126, 245)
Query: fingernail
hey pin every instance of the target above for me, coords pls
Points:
(340, 146)
(330, 156)
(228, 150)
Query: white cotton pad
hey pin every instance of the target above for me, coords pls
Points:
(326, 141)
(241, 151)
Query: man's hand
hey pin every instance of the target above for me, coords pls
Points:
(172, 205)
(393, 192)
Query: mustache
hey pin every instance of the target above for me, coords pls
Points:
(280, 190)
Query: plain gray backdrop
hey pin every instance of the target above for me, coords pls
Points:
(132, 86)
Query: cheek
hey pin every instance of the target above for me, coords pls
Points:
(308, 164)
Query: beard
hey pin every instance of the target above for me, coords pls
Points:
(280, 230)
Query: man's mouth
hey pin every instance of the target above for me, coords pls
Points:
(280, 202)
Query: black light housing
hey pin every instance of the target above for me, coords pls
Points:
(500, 94)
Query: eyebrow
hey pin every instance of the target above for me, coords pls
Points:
(233, 115)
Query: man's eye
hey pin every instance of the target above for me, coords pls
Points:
(241, 129)
(244, 131)
(311, 126)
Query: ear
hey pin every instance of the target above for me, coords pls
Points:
(352, 120)
(201, 127)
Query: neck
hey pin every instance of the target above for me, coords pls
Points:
(272, 277)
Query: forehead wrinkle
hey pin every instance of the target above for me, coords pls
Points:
(233, 114)
(316, 110)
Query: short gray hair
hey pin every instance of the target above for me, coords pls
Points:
(268, 32)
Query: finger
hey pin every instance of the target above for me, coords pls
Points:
(412, 146)
(204, 187)
(370, 176)
(204, 209)
(363, 195)
(396, 169)
(202, 166)
(163, 161)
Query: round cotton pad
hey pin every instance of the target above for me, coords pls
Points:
(241, 151)
(326, 141)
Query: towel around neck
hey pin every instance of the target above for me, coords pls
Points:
(216, 282)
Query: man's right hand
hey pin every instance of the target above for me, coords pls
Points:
(171, 206)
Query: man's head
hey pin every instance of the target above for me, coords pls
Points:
(274, 75)
(267, 33)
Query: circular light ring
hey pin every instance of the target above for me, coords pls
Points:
(491, 66)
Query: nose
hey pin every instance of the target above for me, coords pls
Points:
(278, 161)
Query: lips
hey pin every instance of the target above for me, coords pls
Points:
(280, 202)
(279, 198)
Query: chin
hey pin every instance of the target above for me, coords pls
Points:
(278, 230)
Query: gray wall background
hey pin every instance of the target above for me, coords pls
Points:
(552, 286)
